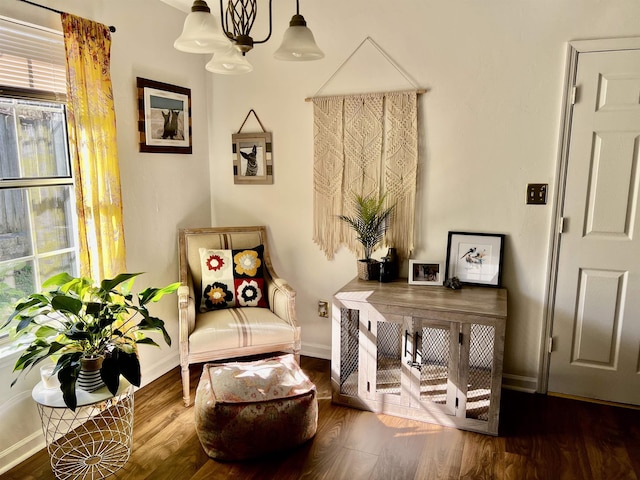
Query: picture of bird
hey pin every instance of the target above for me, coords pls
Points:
(474, 256)
(470, 251)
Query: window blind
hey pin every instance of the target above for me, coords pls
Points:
(32, 61)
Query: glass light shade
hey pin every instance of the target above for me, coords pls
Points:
(201, 34)
(229, 62)
(298, 43)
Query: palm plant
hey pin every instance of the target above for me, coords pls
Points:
(74, 319)
(370, 222)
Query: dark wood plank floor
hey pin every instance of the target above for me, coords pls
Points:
(541, 437)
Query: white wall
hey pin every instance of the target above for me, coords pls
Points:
(161, 192)
(489, 125)
(494, 71)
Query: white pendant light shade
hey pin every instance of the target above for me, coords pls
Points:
(229, 62)
(201, 32)
(298, 43)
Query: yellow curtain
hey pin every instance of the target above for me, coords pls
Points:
(92, 138)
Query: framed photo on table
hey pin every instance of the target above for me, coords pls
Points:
(475, 258)
(422, 272)
(164, 117)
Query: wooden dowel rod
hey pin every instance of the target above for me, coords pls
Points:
(420, 91)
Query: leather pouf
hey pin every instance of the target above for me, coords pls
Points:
(246, 410)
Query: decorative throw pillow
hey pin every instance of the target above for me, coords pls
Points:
(232, 278)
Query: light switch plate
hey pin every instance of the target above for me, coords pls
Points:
(537, 193)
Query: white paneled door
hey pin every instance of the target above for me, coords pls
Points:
(596, 315)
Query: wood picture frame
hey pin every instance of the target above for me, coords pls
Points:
(252, 158)
(424, 272)
(475, 258)
(164, 117)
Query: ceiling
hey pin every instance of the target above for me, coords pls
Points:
(184, 5)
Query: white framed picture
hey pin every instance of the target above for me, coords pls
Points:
(423, 272)
(475, 258)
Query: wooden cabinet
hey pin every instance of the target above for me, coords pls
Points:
(427, 353)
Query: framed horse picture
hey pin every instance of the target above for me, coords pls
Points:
(164, 117)
(252, 158)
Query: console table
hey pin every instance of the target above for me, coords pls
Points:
(92, 442)
(422, 352)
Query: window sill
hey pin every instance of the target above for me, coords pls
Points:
(11, 350)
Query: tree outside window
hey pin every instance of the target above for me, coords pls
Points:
(37, 209)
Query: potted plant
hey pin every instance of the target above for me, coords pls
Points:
(75, 321)
(370, 222)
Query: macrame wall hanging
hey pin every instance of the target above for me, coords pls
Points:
(252, 155)
(364, 144)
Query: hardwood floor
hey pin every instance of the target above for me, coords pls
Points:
(541, 437)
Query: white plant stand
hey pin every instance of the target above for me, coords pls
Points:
(94, 441)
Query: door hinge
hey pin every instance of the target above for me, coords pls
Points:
(561, 225)
(368, 387)
(456, 402)
(369, 325)
(550, 345)
(574, 94)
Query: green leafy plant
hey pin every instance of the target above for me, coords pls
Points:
(74, 318)
(370, 222)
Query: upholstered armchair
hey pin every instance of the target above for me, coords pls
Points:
(262, 320)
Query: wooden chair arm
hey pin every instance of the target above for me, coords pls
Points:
(186, 312)
(282, 299)
(183, 293)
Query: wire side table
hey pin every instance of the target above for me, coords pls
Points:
(94, 441)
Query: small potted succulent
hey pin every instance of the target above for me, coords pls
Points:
(370, 222)
(76, 322)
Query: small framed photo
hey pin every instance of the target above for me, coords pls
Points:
(252, 158)
(475, 258)
(422, 272)
(164, 117)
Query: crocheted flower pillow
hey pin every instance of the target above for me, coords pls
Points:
(232, 278)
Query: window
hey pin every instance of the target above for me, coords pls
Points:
(37, 202)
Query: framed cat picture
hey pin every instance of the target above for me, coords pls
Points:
(252, 158)
(164, 117)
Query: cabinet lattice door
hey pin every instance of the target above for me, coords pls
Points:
(435, 356)
(480, 371)
(349, 328)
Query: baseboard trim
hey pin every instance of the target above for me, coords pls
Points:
(509, 381)
(159, 369)
(316, 350)
(22, 450)
(519, 383)
(594, 400)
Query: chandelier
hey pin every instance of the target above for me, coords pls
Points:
(230, 38)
